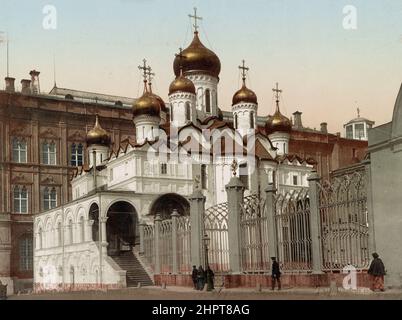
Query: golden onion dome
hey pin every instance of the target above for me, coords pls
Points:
(97, 135)
(148, 104)
(197, 58)
(244, 95)
(181, 84)
(278, 123)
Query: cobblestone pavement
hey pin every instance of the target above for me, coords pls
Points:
(177, 293)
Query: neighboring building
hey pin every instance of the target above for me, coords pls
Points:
(385, 146)
(153, 172)
(358, 128)
(42, 140)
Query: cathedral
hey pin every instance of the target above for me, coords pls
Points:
(151, 169)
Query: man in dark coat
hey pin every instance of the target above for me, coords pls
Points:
(276, 274)
(210, 279)
(200, 278)
(194, 276)
(377, 273)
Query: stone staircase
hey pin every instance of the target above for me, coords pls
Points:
(135, 272)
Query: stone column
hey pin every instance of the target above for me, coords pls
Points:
(157, 268)
(141, 230)
(197, 212)
(235, 193)
(175, 216)
(88, 234)
(103, 235)
(370, 212)
(315, 222)
(270, 212)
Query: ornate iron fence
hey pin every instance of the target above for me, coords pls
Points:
(344, 222)
(292, 222)
(216, 226)
(184, 244)
(165, 246)
(149, 245)
(254, 235)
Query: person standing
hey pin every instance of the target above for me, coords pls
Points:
(200, 278)
(377, 273)
(210, 279)
(276, 274)
(194, 277)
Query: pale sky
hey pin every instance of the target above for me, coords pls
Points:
(325, 70)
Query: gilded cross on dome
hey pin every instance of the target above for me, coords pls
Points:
(145, 69)
(195, 17)
(181, 56)
(277, 94)
(243, 69)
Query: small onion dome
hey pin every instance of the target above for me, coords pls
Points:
(98, 135)
(147, 104)
(197, 58)
(181, 84)
(160, 100)
(278, 123)
(244, 95)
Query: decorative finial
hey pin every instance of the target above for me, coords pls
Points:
(195, 17)
(145, 71)
(150, 77)
(197, 181)
(234, 167)
(180, 56)
(277, 94)
(243, 69)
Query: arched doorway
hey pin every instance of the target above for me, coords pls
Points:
(166, 203)
(121, 228)
(94, 216)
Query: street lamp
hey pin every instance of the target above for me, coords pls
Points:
(206, 239)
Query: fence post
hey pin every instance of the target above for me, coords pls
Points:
(235, 193)
(370, 214)
(197, 213)
(175, 216)
(315, 222)
(141, 227)
(270, 192)
(157, 220)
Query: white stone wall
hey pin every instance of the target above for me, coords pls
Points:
(203, 82)
(280, 140)
(178, 102)
(243, 111)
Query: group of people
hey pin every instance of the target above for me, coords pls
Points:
(201, 276)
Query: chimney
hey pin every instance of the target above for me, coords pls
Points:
(297, 120)
(10, 84)
(25, 86)
(324, 128)
(35, 87)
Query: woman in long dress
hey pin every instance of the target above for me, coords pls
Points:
(377, 273)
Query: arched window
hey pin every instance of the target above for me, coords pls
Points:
(82, 227)
(235, 121)
(49, 198)
(207, 101)
(49, 153)
(70, 231)
(171, 113)
(59, 234)
(19, 150)
(26, 252)
(252, 120)
(188, 111)
(77, 155)
(20, 199)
